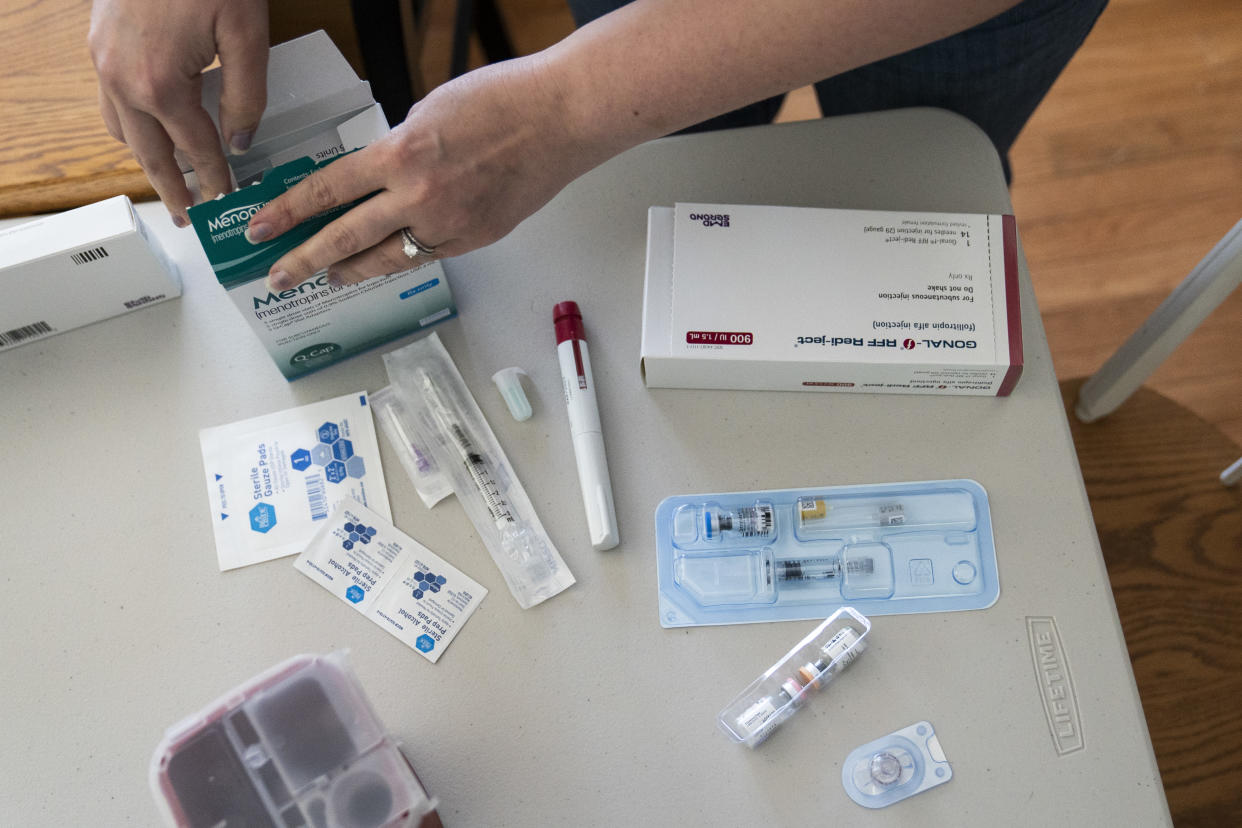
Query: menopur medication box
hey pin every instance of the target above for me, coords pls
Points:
(811, 299)
(73, 268)
(314, 324)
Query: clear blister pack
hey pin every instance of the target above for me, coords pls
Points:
(895, 767)
(804, 671)
(789, 554)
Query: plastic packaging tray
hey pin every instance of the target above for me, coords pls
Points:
(789, 554)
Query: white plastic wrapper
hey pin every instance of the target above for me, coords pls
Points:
(394, 420)
(898, 766)
(447, 420)
(273, 479)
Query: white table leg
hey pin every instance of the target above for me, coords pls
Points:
(1212, 280)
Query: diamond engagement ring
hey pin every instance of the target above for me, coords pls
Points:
(413, 247)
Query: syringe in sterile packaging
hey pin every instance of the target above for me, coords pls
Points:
(528, 564)
(480, 471)
(450, 424)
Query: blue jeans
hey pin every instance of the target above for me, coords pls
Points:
(995, 73)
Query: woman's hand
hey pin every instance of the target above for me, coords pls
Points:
(472, 159)
(149, 55)
(486, 150)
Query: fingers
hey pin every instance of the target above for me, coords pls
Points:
(341, 182)
(358, 230)
(386, 257)
(157, 118)
(155, 141)
(110, 119)
(191, 130)
(242, 43)
(154, 151)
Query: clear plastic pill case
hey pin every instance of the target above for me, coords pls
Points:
(805, 670)
(790, 554)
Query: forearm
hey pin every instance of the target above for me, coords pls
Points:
(656, 66)
(484, 151)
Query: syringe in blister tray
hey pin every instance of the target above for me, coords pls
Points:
(476, 465)
(821, 569)
(759, 521)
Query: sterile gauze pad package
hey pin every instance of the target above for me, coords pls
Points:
(273, 479)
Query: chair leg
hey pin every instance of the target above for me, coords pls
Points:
(1212, 280)
(463, 25)
(1232, 474)
(483, 18)
(381, 38)
(493, 36)
(414, 19)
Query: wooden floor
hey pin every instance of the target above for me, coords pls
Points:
(1125, 177)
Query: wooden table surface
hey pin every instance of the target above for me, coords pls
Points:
(55, 152)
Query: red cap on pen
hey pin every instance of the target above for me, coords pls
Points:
(568, 321)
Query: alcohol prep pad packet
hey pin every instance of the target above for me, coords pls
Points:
(273, 480)
(389, 577)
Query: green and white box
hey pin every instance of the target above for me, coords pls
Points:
(318, 110)
(314, 324)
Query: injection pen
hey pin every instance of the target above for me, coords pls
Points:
(579, 385)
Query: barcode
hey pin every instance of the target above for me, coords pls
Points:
(85, 256)
(26, 332)
(316, 497)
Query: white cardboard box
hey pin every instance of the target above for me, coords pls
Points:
(311, 92)
(814, 299)
(70, 269)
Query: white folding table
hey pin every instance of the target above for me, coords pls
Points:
(582, 711)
